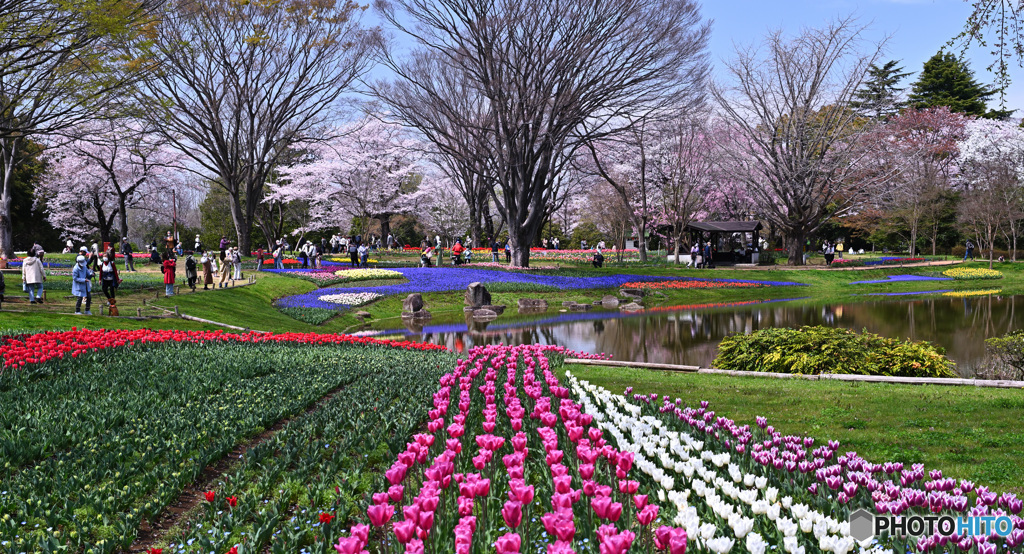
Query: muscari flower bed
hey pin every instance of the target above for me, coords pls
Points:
(424, 280)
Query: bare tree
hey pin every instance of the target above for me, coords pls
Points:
(545, 70)
(799, 140)
(235, 84)
(60, 64)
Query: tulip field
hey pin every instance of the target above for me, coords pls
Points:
(391, 447)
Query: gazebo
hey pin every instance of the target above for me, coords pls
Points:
(731, 241)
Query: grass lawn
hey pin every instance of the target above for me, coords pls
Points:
(967, 432)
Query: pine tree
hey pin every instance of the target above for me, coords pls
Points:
(878, 97)
(948, 81)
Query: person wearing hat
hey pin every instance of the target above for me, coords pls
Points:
(225, 268)
(33, 275)
(207, 263)
(199, 244)
(81, 284)
(169, 267)
(236, 260)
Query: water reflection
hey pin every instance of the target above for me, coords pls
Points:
(690, 335)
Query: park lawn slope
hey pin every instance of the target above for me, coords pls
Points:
(967, 432)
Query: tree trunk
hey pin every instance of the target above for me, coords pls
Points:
(795, 246)
(122, 216)
(243, 226)
(385, 226)
(641, 242)
(8, 147)
(913, 239)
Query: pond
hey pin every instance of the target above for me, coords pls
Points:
(690, 334)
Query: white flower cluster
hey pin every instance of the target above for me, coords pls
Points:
(351, 298)
(368, 274)
(720, 489)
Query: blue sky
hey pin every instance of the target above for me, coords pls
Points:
(917, 29)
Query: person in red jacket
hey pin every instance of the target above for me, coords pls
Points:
(169, 267)
(457, 251)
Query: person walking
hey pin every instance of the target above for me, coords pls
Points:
(191, 273)
(829, 252)
(81, 285)
(224, 245)
(391, 242)
(839, 249)
(126, 251)
(236, 260)
(969, 251)
(428, 252)
(494, 250)
(508, 252)
(353, 252)
(278, 254)
(225, 269)
(169, 267)
(259, 259)
(364, 252)
(198, 247)
(207, 270)
(109, 279)
(33, 275)
(694, 252)
(707, 255)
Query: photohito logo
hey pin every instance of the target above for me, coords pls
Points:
(865, 525)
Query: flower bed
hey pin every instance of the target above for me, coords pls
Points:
(533, 473)
(902, 279)
(349, 299)
(732, 486)
(117, 436)
(702, 284)
(972, 273)
(22, 350)
(966, 293)
(365, 274)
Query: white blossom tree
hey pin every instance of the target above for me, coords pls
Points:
(372, 170)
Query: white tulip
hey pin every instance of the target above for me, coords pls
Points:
(721, 545)
(756, 544)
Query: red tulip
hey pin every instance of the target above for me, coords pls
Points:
(326, 518)
(232, 501)
(210, 496)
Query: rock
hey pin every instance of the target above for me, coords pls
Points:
(631, 307)
(532, 303)
(596, 303)
(568, 303)
(422, 314)
(609, 299)
(496, 309)
(477, 295)
(634, 293)
(532, 311)
(485, 315)
(412, 303)
(362, 314)
(580, 308)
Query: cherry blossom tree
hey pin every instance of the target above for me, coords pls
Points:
(110, 167)
(372, 170)
(919, 149)
(991, 173)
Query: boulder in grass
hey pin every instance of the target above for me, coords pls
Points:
(496, 309)
(362, 315)
(412, 303)
(580, 308)
(631, 307)
(609, 299)
(633, 293)
(568, 303)
(532, 304)
(477, 295)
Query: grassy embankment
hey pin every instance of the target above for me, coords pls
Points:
(967, 432)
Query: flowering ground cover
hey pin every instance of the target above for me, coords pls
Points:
(693, 283)
(108, 432)
(350, 299)
(972, 273)
(366, 274)
(732, 486)
(966, 293)
(902, 279)
(908, 293)
(425, 280)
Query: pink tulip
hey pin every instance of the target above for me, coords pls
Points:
(508, 543)
(640, 500)
(648, 514)
(415, 546)
(395, 493)
(380, 514)
(512, 512)
(404, 530)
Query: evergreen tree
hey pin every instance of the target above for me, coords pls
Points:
(948, 81)
(878, 97)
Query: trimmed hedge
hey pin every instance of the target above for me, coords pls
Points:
(818, 350)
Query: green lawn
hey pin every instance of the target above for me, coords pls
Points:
(967, 432)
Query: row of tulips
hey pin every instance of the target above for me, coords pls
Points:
(733, 486)
(21, 350)
(510, 463)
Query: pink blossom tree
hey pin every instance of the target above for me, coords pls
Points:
(371, 170)
(108, 168)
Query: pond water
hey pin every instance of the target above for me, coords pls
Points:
(690, 334)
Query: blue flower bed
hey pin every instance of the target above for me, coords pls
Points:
(902, 278)
(64, 265)
(423, 280)
(907, 293)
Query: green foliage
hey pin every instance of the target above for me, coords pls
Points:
(588, 231)
(1007, 352)
(113, 437)
(818, 350)
(949, 81)
(501, 286)
(878, 97)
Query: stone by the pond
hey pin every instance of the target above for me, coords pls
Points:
(580, 307)
(477, 295)
(496, 309)
(609, 299)
(422, 314)
(631, 307)
(412, 303)
(635, 293)
(362, 314)
(568, 303)
(532, 303)
(484, 314)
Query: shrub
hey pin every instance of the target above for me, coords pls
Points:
(1007, 354)
(819, 350)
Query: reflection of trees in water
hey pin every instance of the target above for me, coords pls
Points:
(960, 325)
